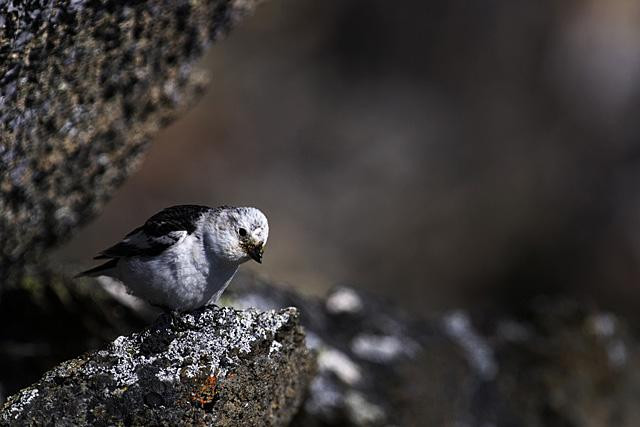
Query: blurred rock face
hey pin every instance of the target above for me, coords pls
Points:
(82, 87)
(550, 362)
(430, 145)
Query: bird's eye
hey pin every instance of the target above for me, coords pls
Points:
(242, 232)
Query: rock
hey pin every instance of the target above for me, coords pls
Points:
(551, 361)
(561, 361)
(213, 366)
(50, 318)
(363, 345)
(83, 86)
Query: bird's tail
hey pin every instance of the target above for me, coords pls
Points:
(99, 270)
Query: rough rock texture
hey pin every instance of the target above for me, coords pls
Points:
(48, 318)
(213, 366)
(552, 362)
(83, 85)
(364, 346)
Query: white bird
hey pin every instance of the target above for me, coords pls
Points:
(184, 256)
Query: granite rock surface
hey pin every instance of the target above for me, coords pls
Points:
(214, 366)
(554, 360)
(84, 85)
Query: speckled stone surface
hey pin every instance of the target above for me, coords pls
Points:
(83, 86)
(364, 345)
(553, 362)
(215, 366)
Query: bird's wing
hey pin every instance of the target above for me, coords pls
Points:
(161, 231)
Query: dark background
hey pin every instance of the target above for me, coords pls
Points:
(438, 152)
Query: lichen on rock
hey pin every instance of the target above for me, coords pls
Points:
(213, 366)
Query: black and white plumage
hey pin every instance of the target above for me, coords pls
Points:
(184, 256)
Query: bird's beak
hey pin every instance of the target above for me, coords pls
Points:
(255, 252)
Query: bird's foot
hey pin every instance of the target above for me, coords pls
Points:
(176, 319)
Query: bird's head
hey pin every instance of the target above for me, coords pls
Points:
(240, 234)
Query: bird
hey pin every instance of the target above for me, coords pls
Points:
(184, 257)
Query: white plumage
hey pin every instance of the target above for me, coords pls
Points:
(185, 256)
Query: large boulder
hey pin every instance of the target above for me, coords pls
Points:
(83, 86)
(213, 366)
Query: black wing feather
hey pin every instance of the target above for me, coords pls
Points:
(175, 218)
(97, 271)
(158, 232)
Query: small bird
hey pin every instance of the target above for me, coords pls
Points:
(184, 256)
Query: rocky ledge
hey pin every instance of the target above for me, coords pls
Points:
(214, 366)
(553, 360)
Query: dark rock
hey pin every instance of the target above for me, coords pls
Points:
(83, 86)
(550, 361)
(363, 345)
(222, 366)
(553, 361)
(52, 319)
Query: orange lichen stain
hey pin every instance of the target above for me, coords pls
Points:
(206, 392)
